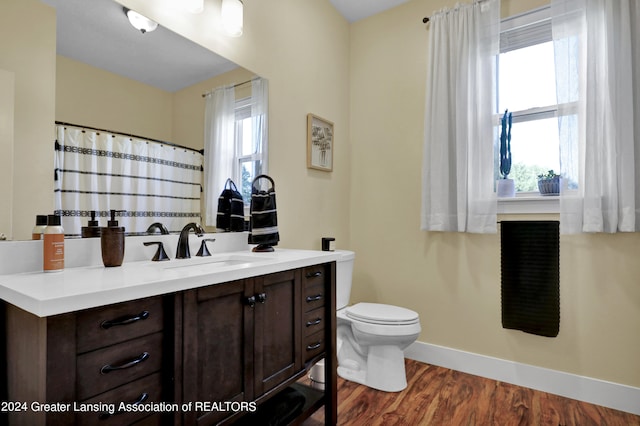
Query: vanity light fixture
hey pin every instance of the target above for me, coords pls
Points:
(140, 22)
(232, 17)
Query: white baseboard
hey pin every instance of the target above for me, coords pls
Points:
(594, 391)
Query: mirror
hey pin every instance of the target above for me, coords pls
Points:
(111, 76)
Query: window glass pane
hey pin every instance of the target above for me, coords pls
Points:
(527, 78)
(249, 169)
(534, 150)
(246, 143)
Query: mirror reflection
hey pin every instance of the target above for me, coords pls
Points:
(118, 85)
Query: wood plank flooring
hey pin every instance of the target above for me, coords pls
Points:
(439, 396)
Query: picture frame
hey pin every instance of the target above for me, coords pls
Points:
(319, 143)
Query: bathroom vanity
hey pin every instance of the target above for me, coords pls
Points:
(185, 342)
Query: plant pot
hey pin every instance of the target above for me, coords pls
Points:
(549, 186)
(506, 188)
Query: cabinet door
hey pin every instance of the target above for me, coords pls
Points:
(218, 350)
(278, 354)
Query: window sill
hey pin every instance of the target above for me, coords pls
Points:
(529, 203)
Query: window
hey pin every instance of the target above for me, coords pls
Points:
(248, 157)
(527, 88)
(236, 140)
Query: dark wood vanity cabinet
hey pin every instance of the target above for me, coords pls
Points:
(84, 364)
(239, 342)
(241, 339)
(249, 339)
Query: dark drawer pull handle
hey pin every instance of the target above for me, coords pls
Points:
(105, 414)
(314, 322)
(125, 320)
(313, 274)
(314, 346)
(262, 297)
(314, 298)
(251, 301)
(109, 368)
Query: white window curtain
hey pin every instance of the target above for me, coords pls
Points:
(98, 170)
(260, 120)
(219, 147)
(458, 178)
(597, 46)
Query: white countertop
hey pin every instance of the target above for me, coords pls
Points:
(44, 294)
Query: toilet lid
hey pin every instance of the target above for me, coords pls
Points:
(377, 313)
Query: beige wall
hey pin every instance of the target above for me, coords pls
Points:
(30, 55)
(93, 97)
(453, 280)
(7, 96)
(89, 96)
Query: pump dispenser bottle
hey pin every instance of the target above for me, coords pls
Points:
(112, 242)
(92, 229)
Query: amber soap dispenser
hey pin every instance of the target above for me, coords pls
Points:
(112, 242)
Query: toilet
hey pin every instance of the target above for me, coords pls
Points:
(371, 337)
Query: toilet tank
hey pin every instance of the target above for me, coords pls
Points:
(344, 274)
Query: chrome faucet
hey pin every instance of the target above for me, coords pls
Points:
(182, 252)
(157, 225)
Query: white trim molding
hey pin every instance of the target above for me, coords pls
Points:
(594, 391)
(529, 203)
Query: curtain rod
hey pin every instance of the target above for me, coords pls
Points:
(426, 18)
(234, 86)
(175, 145)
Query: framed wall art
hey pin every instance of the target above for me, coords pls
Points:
(319, 143)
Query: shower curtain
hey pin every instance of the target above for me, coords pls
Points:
(100, 171)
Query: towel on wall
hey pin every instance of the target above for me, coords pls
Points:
(530, 268)
(264, 216)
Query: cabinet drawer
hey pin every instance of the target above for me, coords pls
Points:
(104, 408)
(107, 368)
(100, 327)
(313, 321)
(313, 345)
(314, 275)
(314, 296)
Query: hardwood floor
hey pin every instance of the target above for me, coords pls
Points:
(439, 396)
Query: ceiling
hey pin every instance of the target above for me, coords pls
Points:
(354, 10)
(96, 32)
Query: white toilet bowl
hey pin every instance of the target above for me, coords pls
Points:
(371, 340)
(371, 337)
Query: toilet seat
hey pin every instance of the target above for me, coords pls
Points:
(381, 314)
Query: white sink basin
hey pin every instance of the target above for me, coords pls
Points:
(213, 262)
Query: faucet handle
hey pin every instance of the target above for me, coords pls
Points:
(160, 253)
(203, 247)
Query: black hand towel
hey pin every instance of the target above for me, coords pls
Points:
(530, 266)
(264, 216)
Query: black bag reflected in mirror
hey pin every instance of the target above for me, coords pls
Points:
(230, 215)
(264, 217)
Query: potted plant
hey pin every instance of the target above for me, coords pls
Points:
(505, 187)
(549, 183)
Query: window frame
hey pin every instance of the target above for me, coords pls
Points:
(517, 32)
